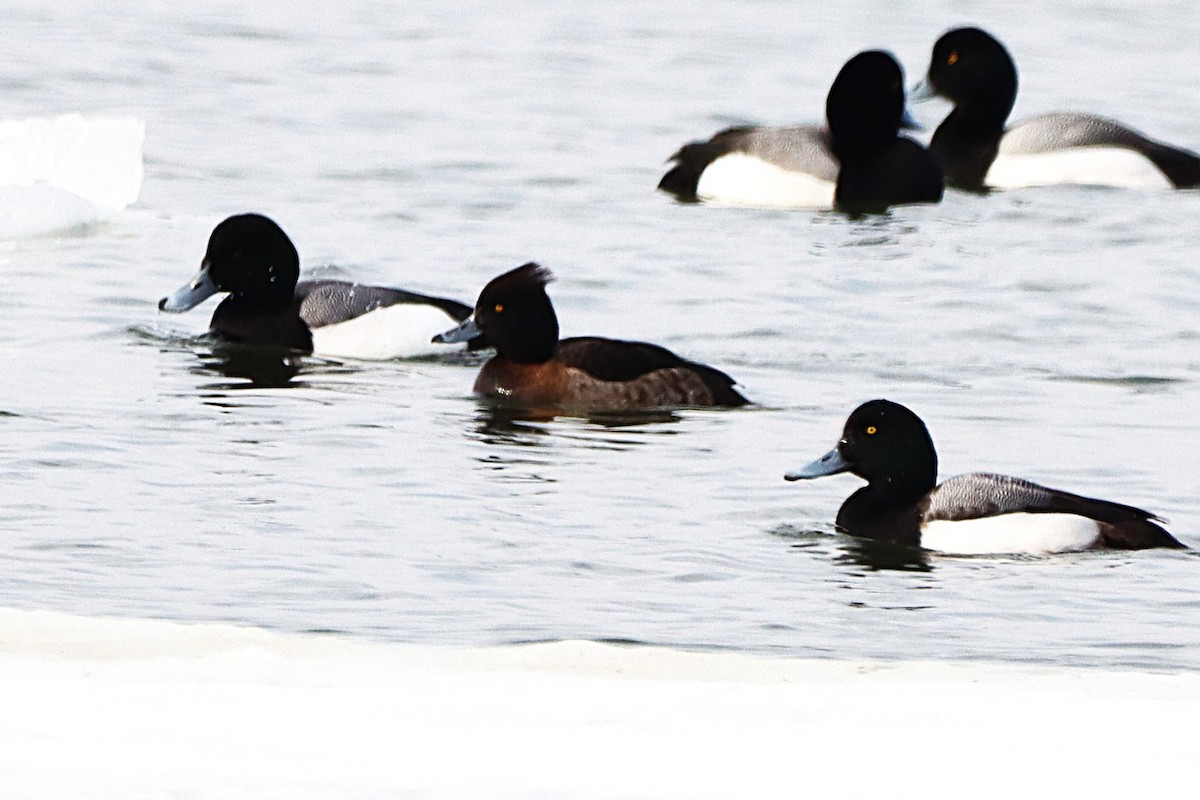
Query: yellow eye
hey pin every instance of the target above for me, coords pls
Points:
(953, 59)
(499, 307)
(871, 429)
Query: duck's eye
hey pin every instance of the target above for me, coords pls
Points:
(499, 308)
(953, 59)
(871, 430)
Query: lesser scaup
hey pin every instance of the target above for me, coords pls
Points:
(533, 367)
(973, 70)
(857, 163)
(888, 446)
(251, 258)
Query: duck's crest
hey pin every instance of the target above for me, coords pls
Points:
(525, 278)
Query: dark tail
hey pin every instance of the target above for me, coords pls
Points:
(720, 384)
(1182, 167)
(690, 160)
(1139, 535)
(1122, 527)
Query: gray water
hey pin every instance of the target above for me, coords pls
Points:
(1049, 333)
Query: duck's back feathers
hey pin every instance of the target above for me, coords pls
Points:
(979, 495)
(796, 148)
(803, 149)
(670, 379)
(1047, 133)
(617, 359)
(982, 494)
(329, 302)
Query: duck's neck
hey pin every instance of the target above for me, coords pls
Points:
(266, 302)
(530, 350)
(863, 514)
(966, 146)
(237, 319)
(888, 510)
(987, 108)
(909, 484)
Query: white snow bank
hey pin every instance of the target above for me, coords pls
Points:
(60, 172)
(133, 709)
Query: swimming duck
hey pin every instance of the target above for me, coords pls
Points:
(857, 163)
(973, 70)
(250, 257)
(533, 367)
(889, 446)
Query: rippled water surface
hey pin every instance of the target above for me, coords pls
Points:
(1051, 333)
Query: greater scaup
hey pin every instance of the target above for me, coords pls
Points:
(251, 258)
(888, 446)
(857, 163)
(973, 70)
(532, 367)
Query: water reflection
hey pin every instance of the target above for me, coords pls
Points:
(879, 556)
(508, 425)
(870, 554)
(878, 234)
(634, 418)
(504, 423)
(251, 367)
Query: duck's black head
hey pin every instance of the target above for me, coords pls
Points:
(973, 70)
(248, 256)
(865, 105)
(885, 444)
(515, 315)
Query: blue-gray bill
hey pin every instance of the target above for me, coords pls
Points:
(829, 464)
(191, 294)
(464, 332)
(922, 91)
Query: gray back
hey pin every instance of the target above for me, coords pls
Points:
(982, 494)
(1049, 132)
(329, 302)
(800, 148)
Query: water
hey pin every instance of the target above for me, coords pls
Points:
(1047, 333)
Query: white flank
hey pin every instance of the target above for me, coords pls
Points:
(1087, 166)
(1011, 533)
(400, 331)
(743, 180)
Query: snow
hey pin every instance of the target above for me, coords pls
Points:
(141, 709)
(62, 172)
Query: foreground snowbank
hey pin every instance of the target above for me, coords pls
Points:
(135, 709)
(66, 171)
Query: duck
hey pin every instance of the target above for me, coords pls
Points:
(858, 162)
(978, 513)
(974, 71)
(251, 258)
(532, 367)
